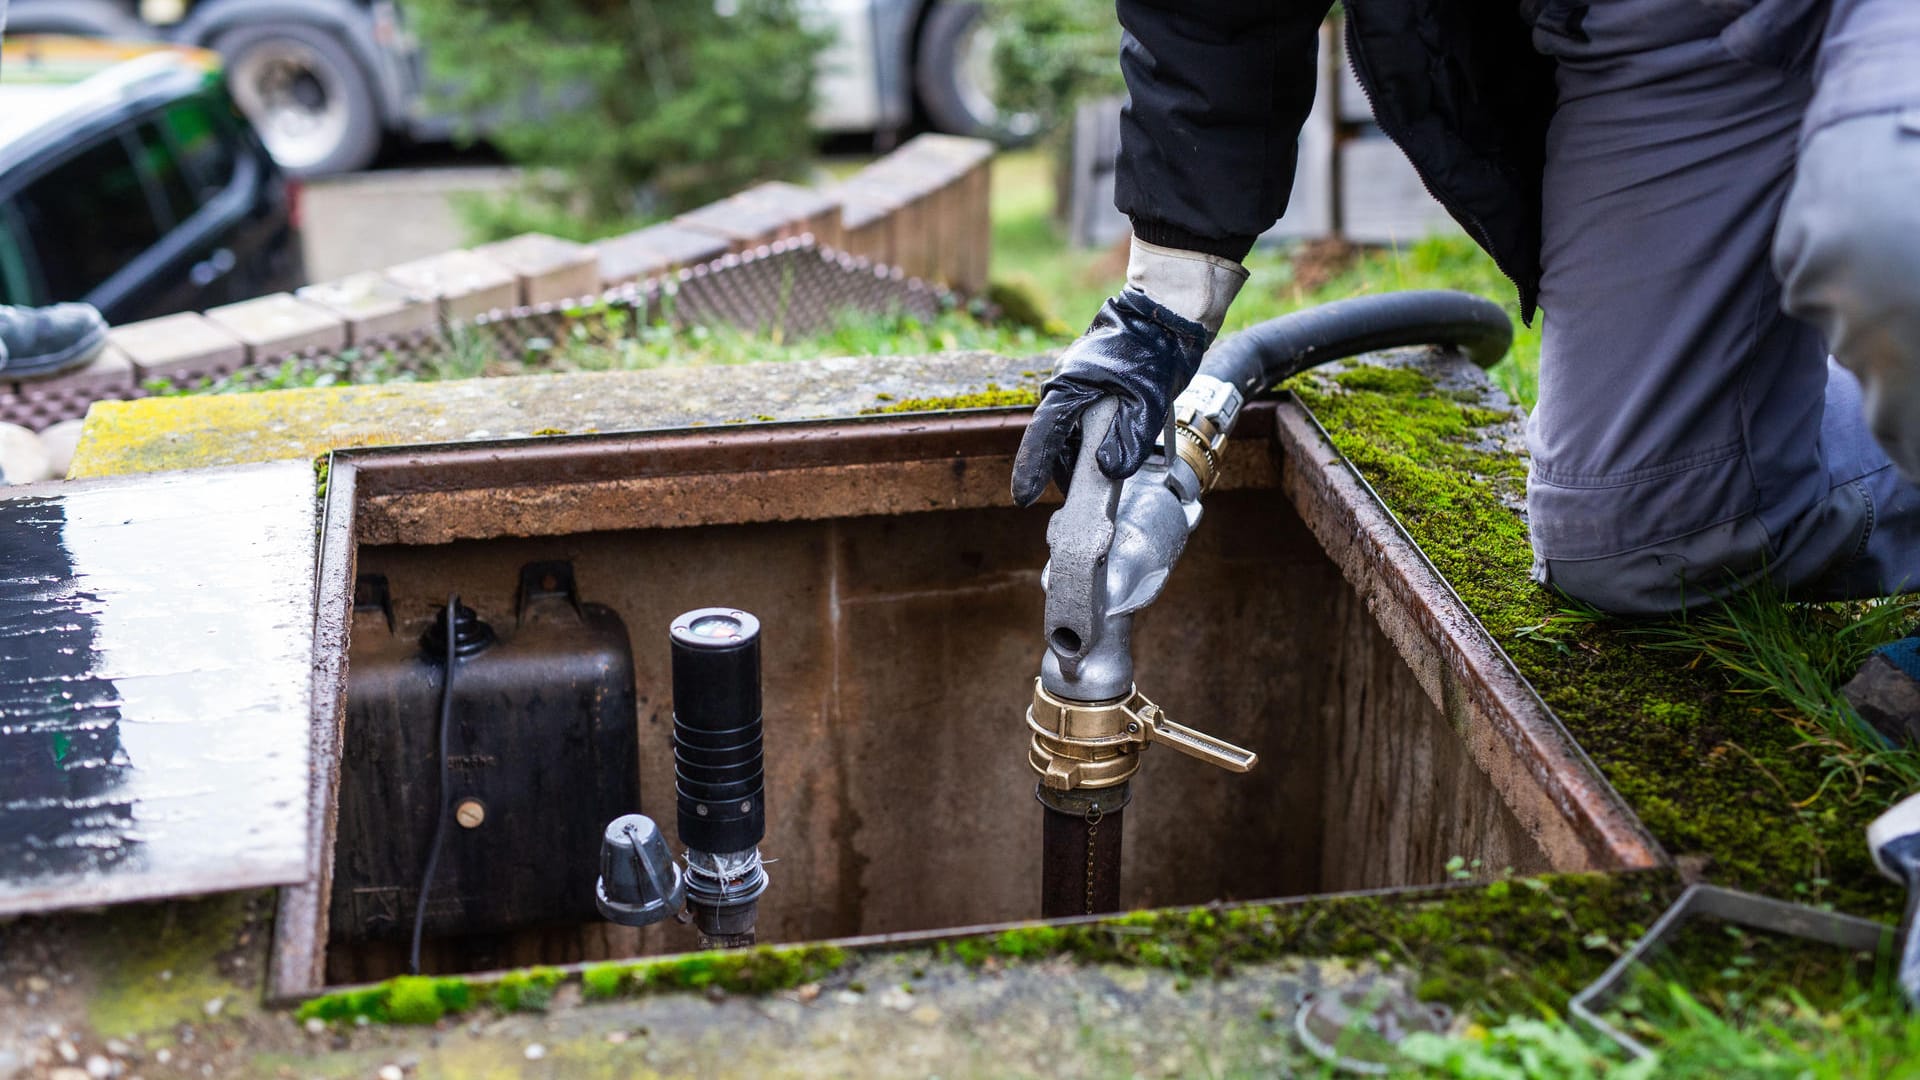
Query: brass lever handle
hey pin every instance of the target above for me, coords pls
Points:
(1194, 744)
(1079, 744)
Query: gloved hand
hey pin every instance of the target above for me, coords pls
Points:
(1143, 348)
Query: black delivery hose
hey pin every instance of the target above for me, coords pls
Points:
(1273, 351)
(1081, 838)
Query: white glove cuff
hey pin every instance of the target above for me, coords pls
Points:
(1190, 284)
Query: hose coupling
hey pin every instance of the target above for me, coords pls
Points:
(1203, 416)
(1097, 744)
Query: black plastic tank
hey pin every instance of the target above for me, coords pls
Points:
(543, 750)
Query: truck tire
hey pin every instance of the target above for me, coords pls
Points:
(306, 95)
(90, 18)
(953, 72)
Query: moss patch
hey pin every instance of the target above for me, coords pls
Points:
(423, 1000)
(990, 397)
(1718, 777)
(161, 964)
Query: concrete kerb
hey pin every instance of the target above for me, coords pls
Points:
(904, 213)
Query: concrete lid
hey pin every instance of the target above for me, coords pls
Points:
(175, 618)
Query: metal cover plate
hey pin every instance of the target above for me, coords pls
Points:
(156, 638)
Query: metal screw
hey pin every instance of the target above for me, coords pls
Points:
(746, 807)
(470, 813)
(701, 809)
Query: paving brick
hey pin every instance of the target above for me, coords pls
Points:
(179, 346)
(108, 375)
(550, 269)
(775, 210)
(463, 284)
(279, 324)
(373, 306)
(655, 250)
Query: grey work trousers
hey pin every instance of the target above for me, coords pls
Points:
(1732, 188)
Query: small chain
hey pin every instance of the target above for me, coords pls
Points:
(1093, 826)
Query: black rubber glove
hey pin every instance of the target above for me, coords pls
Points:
(1137, 351)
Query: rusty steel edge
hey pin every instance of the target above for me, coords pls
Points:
(1426, 620)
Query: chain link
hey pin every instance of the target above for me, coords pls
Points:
(1094, 815)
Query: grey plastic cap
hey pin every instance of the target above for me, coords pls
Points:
(639, 884)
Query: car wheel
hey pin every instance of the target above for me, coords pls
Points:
(306, 95)
(953, 71)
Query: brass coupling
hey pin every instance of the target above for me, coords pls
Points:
(1198, 452)
(1081, 744)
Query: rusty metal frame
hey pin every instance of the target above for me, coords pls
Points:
(1508, 729)
(895, 464)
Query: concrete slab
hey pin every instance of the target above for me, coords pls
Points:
(373, 306)
(225, 429)
(156, 640)
(279, 324)
(550, 269)
(179, 346)
(466, 285)
(655, 250)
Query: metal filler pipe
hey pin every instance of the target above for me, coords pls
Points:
(719, 778)
(1113, 544)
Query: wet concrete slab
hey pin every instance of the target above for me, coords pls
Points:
(198, 431)
(155, 646)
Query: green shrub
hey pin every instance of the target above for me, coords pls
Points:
(641, 107)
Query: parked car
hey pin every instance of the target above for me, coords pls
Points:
(328, 81)
(128, 179)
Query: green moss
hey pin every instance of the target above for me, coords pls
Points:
(528, 990)
(1505, 945)
(1712, 774)
(321, 467)
(991, 397)
(603, 981)
(425, 1000)
(160, 964)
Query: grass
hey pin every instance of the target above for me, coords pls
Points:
(1069, 285)
(1051, 292)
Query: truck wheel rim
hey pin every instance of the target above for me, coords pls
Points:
(295, 100)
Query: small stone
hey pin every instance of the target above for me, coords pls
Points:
(60, 441)
(392, 1072)
(361, 1020)
(616, 1037)
(68, 1052)
(118, 1048)
(68, 1072)
(926, 1014)
(163, 1055)
(166, 975)
(23, 458)
(214, 1006)
(37, 984)
(807, 992)
(535, 1051)
(99, 1067)
(896, 1000)
(1887, 698)
(847, 997)
(315, 1025)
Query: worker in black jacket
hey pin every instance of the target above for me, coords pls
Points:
(1704, 197)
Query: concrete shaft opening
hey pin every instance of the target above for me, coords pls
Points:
(901, 606)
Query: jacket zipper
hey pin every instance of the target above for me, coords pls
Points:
(1475, 227)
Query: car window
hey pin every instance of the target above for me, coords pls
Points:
(16, 279)
(163, 169)
(201, 141)
(86, 218)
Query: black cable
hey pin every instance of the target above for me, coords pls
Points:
(440, 825)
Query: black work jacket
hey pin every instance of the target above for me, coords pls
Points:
(1218, 91)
